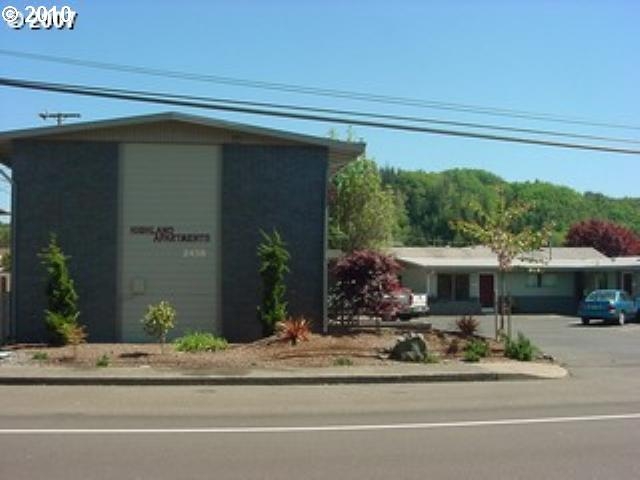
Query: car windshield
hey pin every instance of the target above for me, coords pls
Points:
(602, 296)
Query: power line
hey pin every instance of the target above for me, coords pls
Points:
(324, 92)
(292, 107)
(155, 98)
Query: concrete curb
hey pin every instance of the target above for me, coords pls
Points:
(266, 380)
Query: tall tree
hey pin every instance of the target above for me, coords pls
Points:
(364, 213)
(608, 238)
(501, 230)
(274, 265)
(61, 315)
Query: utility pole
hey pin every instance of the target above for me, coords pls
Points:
(59, 116)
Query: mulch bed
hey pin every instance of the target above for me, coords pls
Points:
(355, 348)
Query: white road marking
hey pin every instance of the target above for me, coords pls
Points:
(322, 428)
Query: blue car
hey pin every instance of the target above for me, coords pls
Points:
(608, 305)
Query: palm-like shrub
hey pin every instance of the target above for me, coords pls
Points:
(294, 330)
(467, 325)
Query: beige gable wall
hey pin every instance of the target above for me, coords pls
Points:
(169, 186)
(170, 132)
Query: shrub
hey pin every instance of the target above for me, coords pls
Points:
(342, 362)
(40, 356)
(73, 334)
(200, 342)
(103, 361)
(158, 320)
(467, 325)
(274, 259)
(520, 349)
(477, 347)
(364, 281)
(294, 330)
(471, 356)
(454, 347)
(62, 299)
(431, 358)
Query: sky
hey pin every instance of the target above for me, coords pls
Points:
(573, 59)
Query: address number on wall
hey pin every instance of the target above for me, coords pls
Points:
(194, 253)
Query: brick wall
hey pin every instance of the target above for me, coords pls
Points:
(70, 189)
(267, 187)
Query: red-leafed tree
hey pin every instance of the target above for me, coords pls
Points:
(363, 281)
(608, 238)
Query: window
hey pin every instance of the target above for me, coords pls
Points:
(462, 287)
(445, 286)
(602, 296)
(534, 280)
(549, 280)
(539, 280)
(453, 287)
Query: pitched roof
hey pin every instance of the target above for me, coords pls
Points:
(627, 261)
(340, 152)
(558, 258)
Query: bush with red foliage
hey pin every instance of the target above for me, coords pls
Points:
(294, 330)
(608, 238)
(364, 281)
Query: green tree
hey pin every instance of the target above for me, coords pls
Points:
(434, 200)
(62, 299)
(274, 260)
(5, 262)
(158, 321)
(5, 235)
(501, 230)
(364, 213)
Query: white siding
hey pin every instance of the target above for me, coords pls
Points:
(474, 285)
(170, 186)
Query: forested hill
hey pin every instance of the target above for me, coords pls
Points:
(432, 200)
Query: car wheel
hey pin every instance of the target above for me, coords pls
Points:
(585, 321)
(621, 318)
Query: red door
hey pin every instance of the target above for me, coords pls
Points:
(486, 290)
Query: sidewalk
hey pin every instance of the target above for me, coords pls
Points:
(401, 373)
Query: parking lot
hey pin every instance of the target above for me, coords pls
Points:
(568, 341)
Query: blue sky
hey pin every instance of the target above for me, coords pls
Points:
(570, 58)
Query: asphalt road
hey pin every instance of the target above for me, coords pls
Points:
(586, 426)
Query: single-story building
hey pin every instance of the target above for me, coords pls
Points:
(167, 207)
(553, 280)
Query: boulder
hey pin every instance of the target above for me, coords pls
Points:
(411, 347)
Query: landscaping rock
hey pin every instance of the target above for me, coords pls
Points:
(5, 355)
(411, 347)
